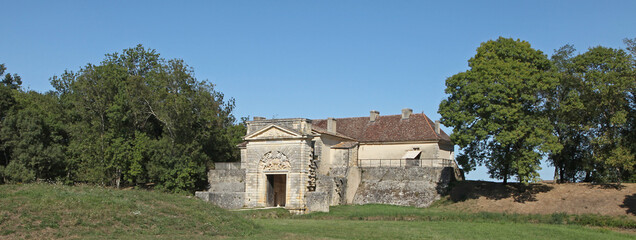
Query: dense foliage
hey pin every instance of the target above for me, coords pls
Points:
(593, 113)
(134, 119)
(514, 107)
(497, 109)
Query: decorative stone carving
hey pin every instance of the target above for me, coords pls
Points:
(275, 161)
(311, 183)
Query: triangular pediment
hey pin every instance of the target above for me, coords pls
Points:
(273, 132)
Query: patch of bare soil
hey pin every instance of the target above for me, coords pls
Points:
(545, 198)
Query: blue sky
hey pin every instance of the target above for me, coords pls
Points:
(312, 59)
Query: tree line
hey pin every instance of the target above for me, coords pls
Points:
(135, 119)
(514, 106)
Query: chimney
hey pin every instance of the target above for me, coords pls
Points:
(406, 113)
(331, 125)
(374, 115)
(437, 126)
(258, 118)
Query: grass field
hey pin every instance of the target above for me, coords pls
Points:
(397, 222)
(43, 211)
(356, 229)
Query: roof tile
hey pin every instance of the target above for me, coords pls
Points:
(390, 128)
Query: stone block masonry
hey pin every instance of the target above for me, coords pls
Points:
(415, 186)
(304, 168)
(227, 200)
(227, 180)
(317, 202)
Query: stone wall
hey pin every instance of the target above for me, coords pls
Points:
(415, 186)
(334, 187)
(232, 180)
(227, 200)
(298, 154)
(353, 182)
(300, 125)
(317, 202)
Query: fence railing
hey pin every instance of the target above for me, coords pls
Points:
(425, 162)
(227, 165)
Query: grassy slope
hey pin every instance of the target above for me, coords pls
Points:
(542, 198)
(43, 211)
(52, 211)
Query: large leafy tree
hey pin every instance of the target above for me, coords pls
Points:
(137, 118)
(569, 117)
(592, 111)
(34, 135)
(630, 129)
(607, 77)
(497, 110)
(9, 85)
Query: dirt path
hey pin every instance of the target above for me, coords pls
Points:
(545, 198)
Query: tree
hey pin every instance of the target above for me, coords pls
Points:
(137, 118)
(593, 114)
(631, 119)
(607, 77)
(34, 135)
(8, 88)
(498, 110)
(569, 119)
(12, 81)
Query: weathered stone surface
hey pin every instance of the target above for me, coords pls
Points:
(313, 169)
(334, 187)
(353, 181)
(317, 202)
(205, 196)
(232, 180)
(300, 125)
(338, 172)
(227, 200)
(402, 186)
(276, 154)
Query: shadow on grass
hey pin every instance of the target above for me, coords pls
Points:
(465, 190)
(630, 204)
(607, 186)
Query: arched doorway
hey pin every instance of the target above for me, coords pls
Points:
(274, 167)
(276, 190)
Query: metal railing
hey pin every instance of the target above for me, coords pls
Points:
(424, 162)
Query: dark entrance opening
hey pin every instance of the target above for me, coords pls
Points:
(276, 189)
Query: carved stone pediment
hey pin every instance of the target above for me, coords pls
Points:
(273, 132)
(274, 161)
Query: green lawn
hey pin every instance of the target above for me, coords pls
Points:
(44, 211)
(355, 229)
(376, 212)
(397, 222)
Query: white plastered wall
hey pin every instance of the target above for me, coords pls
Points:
(397, 150)
(327, 153)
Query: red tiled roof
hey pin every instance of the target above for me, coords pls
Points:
(391, 128)
(345, 145)
(324, 131)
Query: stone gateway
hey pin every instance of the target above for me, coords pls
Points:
(308, 165)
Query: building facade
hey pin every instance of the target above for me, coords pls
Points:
(308, 165)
